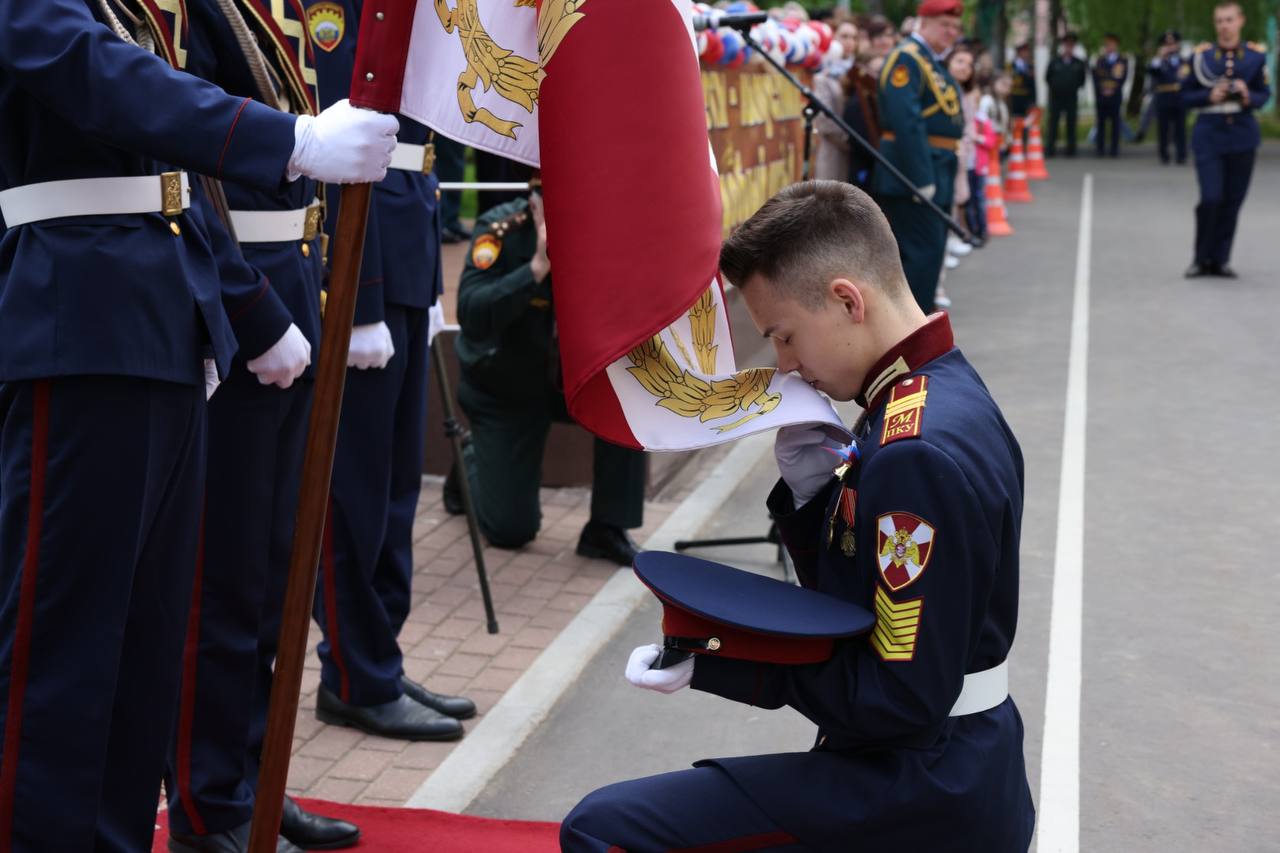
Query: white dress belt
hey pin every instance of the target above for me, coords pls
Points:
(1230, 107)
(983, 691)
(276, 226)
(413, 158)
(169, 194)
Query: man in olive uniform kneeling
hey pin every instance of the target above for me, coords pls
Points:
(510, 392)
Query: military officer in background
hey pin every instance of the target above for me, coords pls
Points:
(1022, 72)
(921, 126)
(1110, 70)
(1167, 70)
(919, 745)
(1065, 76)
(366, 566)
(257, 432)
(510, 391)
(112, 327)
(1227, 83)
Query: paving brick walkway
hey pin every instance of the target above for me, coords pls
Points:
(537, 591)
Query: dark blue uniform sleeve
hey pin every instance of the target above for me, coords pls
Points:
(796, 526)
(869, 692)
(127, 97)
(1194, 93)
(333, 77)
(258, 317)
(1259, 87)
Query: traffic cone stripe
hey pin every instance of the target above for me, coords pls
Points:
(993, 198)
(1016, 188)
(1036, 168)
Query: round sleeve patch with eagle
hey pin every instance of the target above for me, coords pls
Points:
(900, 77)
(485, 251)
(904, 544)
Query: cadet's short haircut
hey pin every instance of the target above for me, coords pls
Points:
(1229, 4)
(810, 234)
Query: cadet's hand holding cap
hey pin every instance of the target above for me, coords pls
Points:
(344, 145)
(667, 680)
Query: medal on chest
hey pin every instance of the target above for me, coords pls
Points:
(845, 510)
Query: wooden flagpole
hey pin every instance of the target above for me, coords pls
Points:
(385, 28)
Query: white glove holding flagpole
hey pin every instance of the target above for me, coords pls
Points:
(371, 346)
(667, 680)
(343, 145)
(285, 361)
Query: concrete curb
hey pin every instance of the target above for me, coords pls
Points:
(491, 744)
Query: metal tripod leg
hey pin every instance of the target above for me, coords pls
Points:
(454, 433)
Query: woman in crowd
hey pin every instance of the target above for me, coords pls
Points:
(832, 160)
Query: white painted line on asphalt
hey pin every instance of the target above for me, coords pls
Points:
(1059, 807)
(488, 747)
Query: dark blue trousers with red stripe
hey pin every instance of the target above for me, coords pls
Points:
(366, 564)
(101, 480)
(700, 810)
(256, 438)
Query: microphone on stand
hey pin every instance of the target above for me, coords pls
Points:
(716, 19)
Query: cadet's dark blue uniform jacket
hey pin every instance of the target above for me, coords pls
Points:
(1109, 74)
(1226, 132)
(891, 769)
(116, 294)
(1167, 75)
(403, 242)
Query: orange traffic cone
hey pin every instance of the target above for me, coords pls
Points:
(993, 199)
(1015, 185)
(1036, 170)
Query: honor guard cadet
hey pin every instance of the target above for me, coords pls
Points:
(1022, 72)
(511, 391)
(1065, 76)
(111, 328)
(914, 519)
(1110, 70)
(1168, 69)
(366, 566)
(257, 431)
(1228, 81)
(921, 128)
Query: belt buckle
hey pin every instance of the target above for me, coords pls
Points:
(311, 226)
(171, 193)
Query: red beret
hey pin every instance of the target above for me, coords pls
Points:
(932, 8)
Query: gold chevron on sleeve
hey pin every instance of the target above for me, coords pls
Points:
(897, 624)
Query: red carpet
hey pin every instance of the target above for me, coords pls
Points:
(389, 830)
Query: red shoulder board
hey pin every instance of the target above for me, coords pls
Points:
(904, 413)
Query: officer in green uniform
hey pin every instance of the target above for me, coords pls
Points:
(922, 125)
(510, 391)
(1066, 76)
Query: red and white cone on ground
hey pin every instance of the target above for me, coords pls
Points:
(1036, 168)
(1016, 188)
(993, 199)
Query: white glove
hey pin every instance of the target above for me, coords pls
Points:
(285, 361)
(802, 460)
(667, 680)
(371, 346)
(928, 191)
(343, 145)
(211, 380)
(435, 321)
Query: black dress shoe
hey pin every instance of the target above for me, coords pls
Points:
(458, 707)
(449, 236)
(1225, 271)
(606, 542)
(451, 495)
(1197, 270)
(310, 831)
(403, 719)
(230, 841)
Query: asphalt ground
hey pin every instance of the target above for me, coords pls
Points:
(1178, 735)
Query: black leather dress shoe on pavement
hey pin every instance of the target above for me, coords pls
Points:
(231, 841)
(1196, 271)
(606, 542)
(310, 831)
(458, 707)
(403, 719)
(1225, 272)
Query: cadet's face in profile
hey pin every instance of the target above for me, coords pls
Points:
(822, 345)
